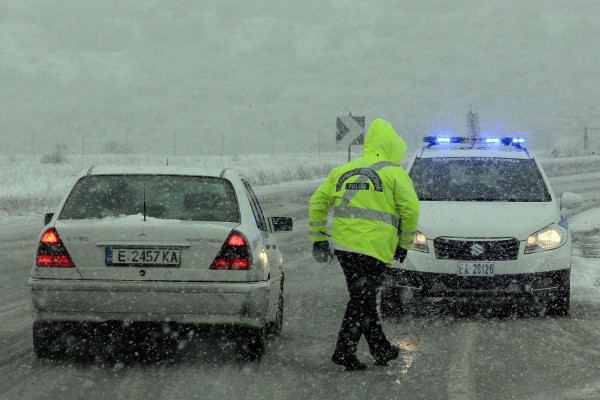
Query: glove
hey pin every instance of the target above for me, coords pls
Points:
(400, 254)
(321, 251)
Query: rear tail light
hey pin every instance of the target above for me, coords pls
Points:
(235, 255)
(52, 253)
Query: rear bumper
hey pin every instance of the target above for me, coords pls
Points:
(202, 303)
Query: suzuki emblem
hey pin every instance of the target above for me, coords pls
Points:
(477, 250)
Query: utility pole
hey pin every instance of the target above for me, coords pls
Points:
(319, 144)
(586, 137)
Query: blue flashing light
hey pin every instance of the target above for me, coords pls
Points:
(492, 140)
(514, 141)
(435, 140)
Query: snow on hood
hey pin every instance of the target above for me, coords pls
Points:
(485, 219)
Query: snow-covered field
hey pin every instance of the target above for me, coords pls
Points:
(29, 186)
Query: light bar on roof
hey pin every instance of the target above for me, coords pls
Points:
(442, 140)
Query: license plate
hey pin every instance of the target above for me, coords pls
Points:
(143, 257)
(476, 269)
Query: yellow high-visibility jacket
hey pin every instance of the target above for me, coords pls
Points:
(375, 207)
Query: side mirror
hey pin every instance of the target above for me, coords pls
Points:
(47, 218)
(570, 200)
(282, 223)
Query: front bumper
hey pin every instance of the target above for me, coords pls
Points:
(541, 285)
(202, 303)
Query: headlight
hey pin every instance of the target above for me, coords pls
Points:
(420, 242)
(549, 238)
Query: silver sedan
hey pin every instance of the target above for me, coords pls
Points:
(161, 245)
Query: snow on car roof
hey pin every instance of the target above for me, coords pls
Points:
(157, 170)
(475, 152)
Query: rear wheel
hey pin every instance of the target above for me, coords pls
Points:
(49, 339)
(274, 328)
(252, 343)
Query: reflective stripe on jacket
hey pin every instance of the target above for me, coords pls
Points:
(375, 207)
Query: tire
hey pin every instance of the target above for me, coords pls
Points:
(391, 304)
(49, 339)
(274, 328)
(560, 304)
(252, 343)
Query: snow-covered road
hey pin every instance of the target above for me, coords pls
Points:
(446, 355)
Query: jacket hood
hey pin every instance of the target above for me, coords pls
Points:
(383, 142)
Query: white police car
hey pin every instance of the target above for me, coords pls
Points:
(490, 228)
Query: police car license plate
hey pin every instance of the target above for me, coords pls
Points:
(476, 269)
(143, 257)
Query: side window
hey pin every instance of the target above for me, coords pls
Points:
(261, 221)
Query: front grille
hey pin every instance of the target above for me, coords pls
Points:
(476, 250)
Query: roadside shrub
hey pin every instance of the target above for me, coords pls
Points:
(301, 172)
(54, 158)
(25, 205)
(57, 157)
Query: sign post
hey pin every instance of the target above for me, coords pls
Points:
(350, 130)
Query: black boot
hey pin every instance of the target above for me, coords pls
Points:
(351, 362)
(390, 354)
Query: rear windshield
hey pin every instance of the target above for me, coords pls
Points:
(478, 179)
(160, 196)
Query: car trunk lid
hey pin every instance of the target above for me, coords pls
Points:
(132, 248)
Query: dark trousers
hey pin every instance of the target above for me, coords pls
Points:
(364, 275)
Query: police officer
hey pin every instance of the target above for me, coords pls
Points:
(375, 215)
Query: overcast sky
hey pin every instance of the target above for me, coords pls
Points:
(201, 77)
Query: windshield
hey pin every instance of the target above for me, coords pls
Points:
(159, 196)
(478, 179)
